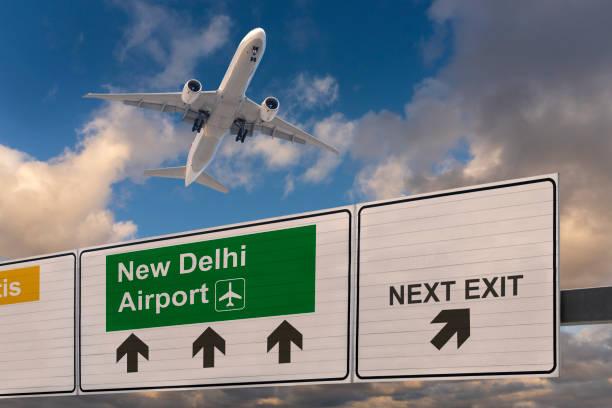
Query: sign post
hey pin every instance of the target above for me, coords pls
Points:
(261, 303)
(459, 284)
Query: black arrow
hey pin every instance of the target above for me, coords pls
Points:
(132, 346)
(457, 321)
(284, 335)
(208, 341)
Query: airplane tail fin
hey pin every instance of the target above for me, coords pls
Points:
(168, 172)
(205, 179)
(179, 173)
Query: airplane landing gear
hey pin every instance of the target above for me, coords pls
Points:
(242, 134)
(199, 122)
(242, 131)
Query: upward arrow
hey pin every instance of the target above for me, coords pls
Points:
(284, 335)
(132, 346)
(457, 321)
(207, 342)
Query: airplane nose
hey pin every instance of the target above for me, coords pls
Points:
(258, 33)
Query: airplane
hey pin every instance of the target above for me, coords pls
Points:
(230, 295)
(216, 113)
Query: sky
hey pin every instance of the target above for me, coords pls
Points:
(417, 96)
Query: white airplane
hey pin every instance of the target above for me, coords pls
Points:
(230, 295)
(216, 113)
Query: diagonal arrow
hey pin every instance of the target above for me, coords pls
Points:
(132, 346)
(208, 341)
(284, 335)
(457, 321)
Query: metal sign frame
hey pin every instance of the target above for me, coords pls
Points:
(556, 296)
(75, 365)
(236, 227)
(579, 306)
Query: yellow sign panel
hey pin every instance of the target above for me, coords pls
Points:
(20, 285)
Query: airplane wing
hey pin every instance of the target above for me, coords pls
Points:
(277, 127)
(163, 102)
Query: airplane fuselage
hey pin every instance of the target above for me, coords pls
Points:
(215, 113)
(231, 94)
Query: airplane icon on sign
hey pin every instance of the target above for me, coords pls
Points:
(230, 295)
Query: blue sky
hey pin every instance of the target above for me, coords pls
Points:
(418, 96)
(65, 50)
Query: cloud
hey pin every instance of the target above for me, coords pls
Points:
(171, 40)
(383, 401)
(338, 132)
(525, 103)
(384, 180)
(269, 402)
(63, 203)
(147, 19)
(289, 185)
(188, 48)
(244, 164)
(314, 91)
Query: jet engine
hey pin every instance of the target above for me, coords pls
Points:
(269, 108)
(191, 91)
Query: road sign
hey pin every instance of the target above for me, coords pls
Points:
(37, 322)
(260, 303)
(459, 284)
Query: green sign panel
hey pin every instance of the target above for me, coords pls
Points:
(256, 275)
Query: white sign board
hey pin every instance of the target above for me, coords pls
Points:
(244, 305)
(459, 284)
(37, 326)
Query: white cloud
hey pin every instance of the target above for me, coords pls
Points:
(385, 180)
(147, 19)
(185, 51)
(244, 164)
(338, 132)
(269, 402)
(63, 202)
(149, 138)
(314, 91)
(289, 185)
(383, 401)
(171, 40)
(525, 103)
